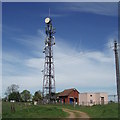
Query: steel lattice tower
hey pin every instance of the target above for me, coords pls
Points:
(49, 76)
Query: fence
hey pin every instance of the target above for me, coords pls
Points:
(91, 103)
(113, 98)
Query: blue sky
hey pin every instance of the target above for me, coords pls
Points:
(83, 57)
(28, 17)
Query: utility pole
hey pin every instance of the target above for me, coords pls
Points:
(117, 70)
(49, 77)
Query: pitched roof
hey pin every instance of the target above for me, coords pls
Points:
(66, 92)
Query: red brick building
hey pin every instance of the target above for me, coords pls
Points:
(69, 96)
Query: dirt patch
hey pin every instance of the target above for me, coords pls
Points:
(71, 114)
(75, 113)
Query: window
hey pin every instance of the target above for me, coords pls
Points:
(90, 95)
(91, 101)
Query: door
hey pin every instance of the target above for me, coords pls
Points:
(71, 100)
(76, 100)
(64, 100)
(102, 100)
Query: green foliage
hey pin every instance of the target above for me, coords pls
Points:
(12, 91)
(25, 95)
(12, 88)
(37, 96)
(14, 96)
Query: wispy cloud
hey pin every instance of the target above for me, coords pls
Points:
(83, 69)
(101, 8)
(88, 69)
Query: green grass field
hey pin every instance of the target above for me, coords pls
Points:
(31, 111)
(55, 111)
(98, 111)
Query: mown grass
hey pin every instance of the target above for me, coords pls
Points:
(31, 111)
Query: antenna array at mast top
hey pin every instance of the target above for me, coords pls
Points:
(49, 12)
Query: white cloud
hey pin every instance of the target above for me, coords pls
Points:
(88, 69)
(36, 63)
(100, 8)
(83, 71)
(99, 56)
(91, 69)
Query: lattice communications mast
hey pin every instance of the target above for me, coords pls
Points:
(49, 76)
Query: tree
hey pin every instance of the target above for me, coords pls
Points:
(14, 96)
(25, 95)
(11, 89)
(37, 96)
